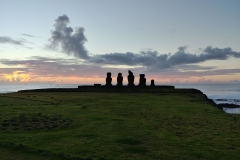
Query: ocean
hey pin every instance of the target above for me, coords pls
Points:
(219, 93)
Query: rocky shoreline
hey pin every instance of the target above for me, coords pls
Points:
(227, 105)
(223, 105)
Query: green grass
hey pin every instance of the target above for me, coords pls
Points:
(115, 126)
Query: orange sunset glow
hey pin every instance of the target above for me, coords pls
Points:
(23, 77)
(17, 75)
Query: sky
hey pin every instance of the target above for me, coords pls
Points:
(79, 41)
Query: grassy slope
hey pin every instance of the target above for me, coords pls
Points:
(121, 126)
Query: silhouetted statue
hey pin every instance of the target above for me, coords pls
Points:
(130, 78)
(109, 79)
(152, 83)
(142, 80)
(119, 79)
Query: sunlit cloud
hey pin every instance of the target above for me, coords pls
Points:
(74, 71)
(17, 75)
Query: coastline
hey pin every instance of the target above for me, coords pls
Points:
(217, 95)
(136, 89)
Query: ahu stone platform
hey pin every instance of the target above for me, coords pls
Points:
(101, 88)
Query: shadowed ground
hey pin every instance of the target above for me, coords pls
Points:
(68, 125)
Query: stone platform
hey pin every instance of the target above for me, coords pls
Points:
(122, 89)
(98, 88)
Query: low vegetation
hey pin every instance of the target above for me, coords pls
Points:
(98, 125)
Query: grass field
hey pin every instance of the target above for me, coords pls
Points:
(78, 125)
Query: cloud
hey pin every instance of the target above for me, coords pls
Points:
(54, 67)
(209, 53)
(21, 42)
(10, 40)
(28, 35)
(152, 60)
(71, 42)
(194, 67)
(67, 40)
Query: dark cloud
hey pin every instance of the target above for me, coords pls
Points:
(72, 43)
(21, 42)
(67, 40)
(209, 53)
(147, 58)
(10, 40)
(152, 60)
(55, 67)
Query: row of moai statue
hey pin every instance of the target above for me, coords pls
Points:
(130, 77)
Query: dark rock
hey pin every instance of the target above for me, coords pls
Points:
(210, 101)
(236, 100)
(227, 105)
(221, 100)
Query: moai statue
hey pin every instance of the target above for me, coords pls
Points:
(152, 83)
(119, 79)
(130, 78)
(142, 80)
(109, 79)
